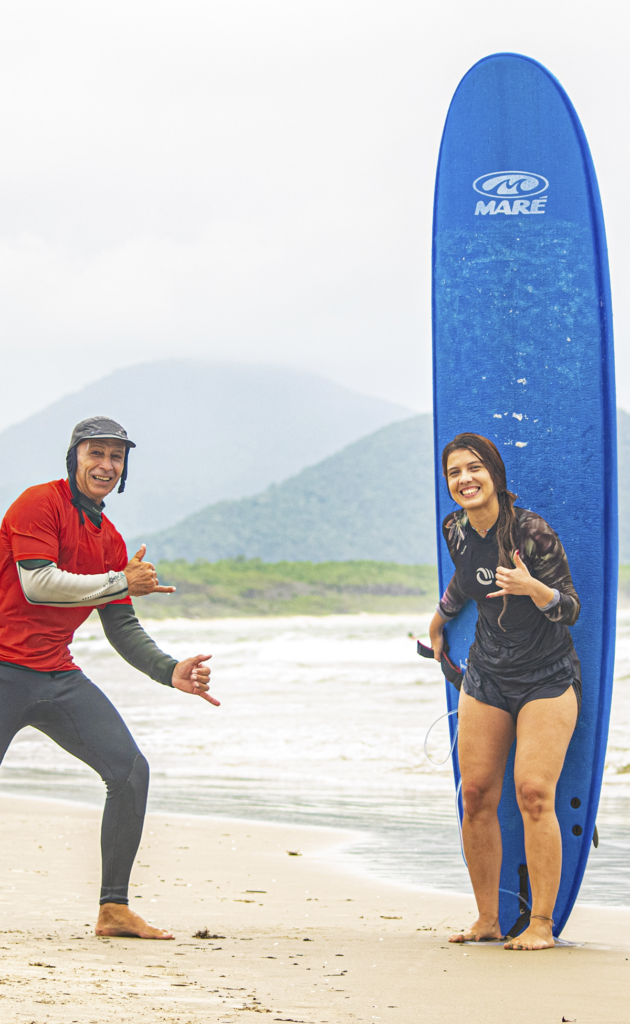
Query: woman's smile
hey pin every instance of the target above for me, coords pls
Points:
(472, 494)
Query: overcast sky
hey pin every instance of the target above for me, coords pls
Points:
(252, 179)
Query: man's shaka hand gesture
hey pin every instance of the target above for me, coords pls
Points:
(192, 676)
(142, 578)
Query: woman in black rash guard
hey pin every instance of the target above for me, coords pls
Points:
(522, 678)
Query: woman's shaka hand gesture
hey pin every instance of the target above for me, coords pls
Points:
(513, 581)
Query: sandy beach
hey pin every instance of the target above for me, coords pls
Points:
(297, 938)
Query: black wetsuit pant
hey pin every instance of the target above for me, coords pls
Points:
(70, 709)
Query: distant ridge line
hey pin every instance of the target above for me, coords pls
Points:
(372, 500)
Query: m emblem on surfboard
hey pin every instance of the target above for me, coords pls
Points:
(510, 183)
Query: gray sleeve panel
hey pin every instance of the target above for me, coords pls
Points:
(48, 585)
(452, 600)
(552, 604)
(127, 636)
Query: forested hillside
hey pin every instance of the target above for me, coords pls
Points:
(373, 500)
(205, 431)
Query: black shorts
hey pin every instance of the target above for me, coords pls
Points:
(512, 694)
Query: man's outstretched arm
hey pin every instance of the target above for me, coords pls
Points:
(134, 644)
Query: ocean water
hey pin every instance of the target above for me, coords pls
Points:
(322, 722)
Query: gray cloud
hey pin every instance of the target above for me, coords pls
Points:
(253, 181)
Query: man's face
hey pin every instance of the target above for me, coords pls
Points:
(99, 466)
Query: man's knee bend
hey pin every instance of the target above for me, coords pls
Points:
(139, 778)
(477, 799)
(139, 783)
(134, 778)
(533, 798)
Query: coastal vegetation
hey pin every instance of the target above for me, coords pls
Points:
(623, 593)
(251, 587)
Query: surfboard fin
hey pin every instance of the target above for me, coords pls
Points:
(595, 837)
(525, 910)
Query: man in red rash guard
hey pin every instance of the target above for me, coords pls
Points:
(60, 557)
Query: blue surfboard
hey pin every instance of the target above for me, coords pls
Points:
(523, 354)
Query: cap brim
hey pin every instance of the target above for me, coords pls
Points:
(110, 437)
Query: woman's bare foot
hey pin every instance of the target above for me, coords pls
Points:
(118, 919)
(537, 935)
(481, 931)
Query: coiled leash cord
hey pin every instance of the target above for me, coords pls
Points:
(508, 892)
(426, 739)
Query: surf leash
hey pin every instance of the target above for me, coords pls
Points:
(430, 729)
(525, 906)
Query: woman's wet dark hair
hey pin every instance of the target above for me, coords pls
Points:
(489, 454)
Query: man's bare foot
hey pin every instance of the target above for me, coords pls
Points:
(118, 919)
(481, 931)
(537, 935)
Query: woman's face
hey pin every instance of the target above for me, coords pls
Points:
(468, 480)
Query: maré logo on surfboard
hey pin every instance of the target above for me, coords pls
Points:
(509, 190)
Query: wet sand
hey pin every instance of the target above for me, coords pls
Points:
(296, 938)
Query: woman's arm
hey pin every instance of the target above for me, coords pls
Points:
(450, 605)
(436, 632)
(452, 601)
(548, 579)
(550, 566)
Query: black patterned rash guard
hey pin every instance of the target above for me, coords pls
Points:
(533, 641)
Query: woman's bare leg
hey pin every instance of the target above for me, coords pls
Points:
(544, 730)
(486, 734)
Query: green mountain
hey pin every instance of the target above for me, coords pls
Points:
(206, 431)
(372, 500)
